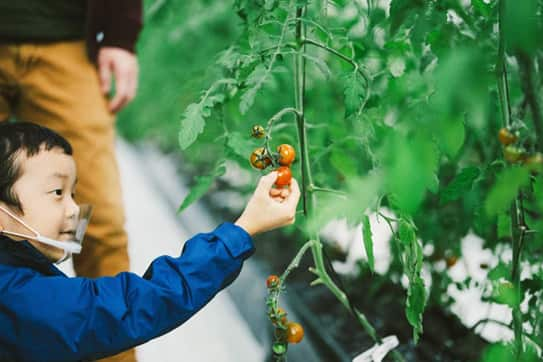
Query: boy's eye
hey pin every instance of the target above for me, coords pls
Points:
(58, 192)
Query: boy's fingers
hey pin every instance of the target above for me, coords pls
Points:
(285, 192)
(275, 192)
(266, 182)
(294, 196)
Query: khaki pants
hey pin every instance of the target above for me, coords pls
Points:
(56, 86)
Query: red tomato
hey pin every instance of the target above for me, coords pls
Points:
(284, 175)
(258, 131)
(260, 159)
(286, 154)
(506, 137)
(295, 332)
(272, 281)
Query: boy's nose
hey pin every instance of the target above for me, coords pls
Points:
(73, 210)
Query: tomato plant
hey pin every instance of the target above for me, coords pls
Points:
(424, 88)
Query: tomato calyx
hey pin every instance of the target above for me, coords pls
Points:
(278, 318)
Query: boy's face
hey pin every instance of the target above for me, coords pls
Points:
(45, 190)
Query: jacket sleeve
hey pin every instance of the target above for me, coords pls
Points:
(59, 318)
(123, 23)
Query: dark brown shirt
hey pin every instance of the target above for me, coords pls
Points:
(114, 23)
(42, 21)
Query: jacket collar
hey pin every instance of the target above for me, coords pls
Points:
(23, 254)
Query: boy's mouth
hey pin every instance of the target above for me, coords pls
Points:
(69, 233)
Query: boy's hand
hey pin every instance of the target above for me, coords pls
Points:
(270, 208)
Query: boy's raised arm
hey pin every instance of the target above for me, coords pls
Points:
(62, 318)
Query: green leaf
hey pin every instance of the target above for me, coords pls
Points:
(412, 265)
(411, 167)
(193, 120)
(192, 124)
(450, 136)
(482, 7)
(354, 93)
(503, 292)
(361, 193)
(506, 188)
(229, 58)
(501, 352)
(415, 304)
(400, 11)
(500, 271)
(201, 186)
(254, 81)
(504, 226)
(462, 83)
(320, 64)
(368, 241)
(521, 25)
(406, 233)
(241, 145)
(343, 162)
(461, 184)
(498, 352)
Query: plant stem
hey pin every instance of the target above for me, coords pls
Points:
(309, 198)
(518, 226)
(338, 54)
(518, 233)
(530, 92)
(279, 115)
(296, 261)
(332, 191)
(501, 71)
(299, 76)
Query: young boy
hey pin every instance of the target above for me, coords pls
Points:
(46, 316)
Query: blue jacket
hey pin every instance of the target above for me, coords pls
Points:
(47, 316)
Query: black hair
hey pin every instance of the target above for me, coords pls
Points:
(18, 138)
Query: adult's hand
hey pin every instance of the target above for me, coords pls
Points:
(123, 65)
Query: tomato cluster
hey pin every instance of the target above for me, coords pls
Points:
(285, 331)
(261, 158)
(514, 153)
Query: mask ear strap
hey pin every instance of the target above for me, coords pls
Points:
(19, 220)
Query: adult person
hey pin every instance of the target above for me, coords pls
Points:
(58, 61)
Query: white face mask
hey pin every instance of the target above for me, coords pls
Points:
(70, 247)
